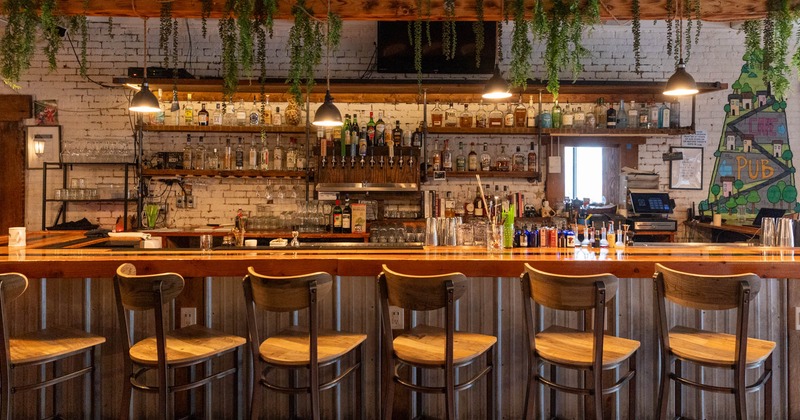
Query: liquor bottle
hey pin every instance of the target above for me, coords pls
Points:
(675, 114)
(622, 115)
(611, 117)
(355, 130)
(347, 216)
(213, 160)
(600, 113)
(263, 155)
(362, 143)
(407, 136)
(611, 236)
(188, 153)
(449, 205)
(579, 118)
(200, 155)
(567, 117)
(532, 163)
(277, 118)
(188, 110)
(663, 116)
(447, 157)
(370, 131)
(255, 116)
(336, 218)
(465, 119)
(160, 116)
(508, 118)
(521, 239)
(277, 155)
(239, 156)
(252, 156)
(644, 116)
(461, 160)
(545, 119)
(495, 117)
(291, 155)
(202, 116)
(481, 117)
(503, 162)
(530, 119)
(344, 134)
(266, 114)
(380, 130)
(472, 158)
(229, 114)
(241, 114)
(450, 117)
(518, 161)
(591, 120)
(437, 116)
(653, 110)
(397, 134)
(216, 116)
(633, 116)
(416, 139)
(556, 115)
(301, 158)
(520, 114)
(437, 156)
(227, 156)
(478, 203)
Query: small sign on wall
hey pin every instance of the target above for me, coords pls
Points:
(698, 139)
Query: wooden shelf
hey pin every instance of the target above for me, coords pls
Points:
(489, 174)
(212, 173)
(477, 130)
(289, 129)
(616, 132)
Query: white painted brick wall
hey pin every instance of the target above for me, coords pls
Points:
(92, 115)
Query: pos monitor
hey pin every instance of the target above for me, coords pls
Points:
(647, 202)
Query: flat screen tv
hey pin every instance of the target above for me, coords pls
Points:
(396, 54)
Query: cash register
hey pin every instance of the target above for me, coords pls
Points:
(649, 211)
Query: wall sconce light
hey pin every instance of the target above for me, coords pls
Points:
(38, 147)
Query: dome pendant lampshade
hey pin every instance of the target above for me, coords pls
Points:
(328, 114)
(144, 100)
(496, 87)
(681, 83)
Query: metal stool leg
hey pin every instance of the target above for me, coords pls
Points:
(632, 387)
(97, 394)
(56, 387)
(678, 402)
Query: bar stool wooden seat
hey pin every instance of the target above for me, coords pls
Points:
(38, 348)
(299, 348)
(429, 347)
(736, 352)
(590, 352)
(168, 350)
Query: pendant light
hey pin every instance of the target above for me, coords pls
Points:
(144, 100)
(681, 83)
(496, 87)
(328, 114)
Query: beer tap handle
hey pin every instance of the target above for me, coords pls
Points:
(381, 162)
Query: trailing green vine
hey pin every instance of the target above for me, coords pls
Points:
(205, 13)
(416, 41)
(478, 30)
(305, 50)
(18, 39)
(564, 48)
(670, 19)
(752, 41)
(165, 32)
(244, 15)
(521, 48)
(83, 26)
(449, 30)
(779, 21)
(636, 30)
(230, 64)
(50, 24)
(110, 24)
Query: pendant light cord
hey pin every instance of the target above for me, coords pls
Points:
(145, 48)
(680, 29)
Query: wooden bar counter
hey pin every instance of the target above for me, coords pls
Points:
(75, 289)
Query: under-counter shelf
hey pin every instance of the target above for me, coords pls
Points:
(287, 129)
(231, 173)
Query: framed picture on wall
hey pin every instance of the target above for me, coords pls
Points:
(686, 173)
(43, 144)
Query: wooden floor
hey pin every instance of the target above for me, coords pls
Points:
(490, 306)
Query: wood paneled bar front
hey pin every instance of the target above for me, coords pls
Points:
(71, 286)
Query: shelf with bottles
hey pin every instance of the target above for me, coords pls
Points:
(615, 132)
(491, 174)
(246, 173)
(483, 130)
(283, 129)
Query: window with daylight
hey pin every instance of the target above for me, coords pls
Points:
(583, 173)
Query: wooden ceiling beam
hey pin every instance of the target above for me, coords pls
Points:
(619, 10)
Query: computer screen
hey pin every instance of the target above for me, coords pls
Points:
(650, 202)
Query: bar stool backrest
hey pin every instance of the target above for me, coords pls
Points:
(422, 293)
(568, 293)
(146, 292)
(285, 294)
(706, 292)
(12, 285)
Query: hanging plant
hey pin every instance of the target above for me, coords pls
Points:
(477, 29)
(415, 39)
(449, 30)
(175, 55)
(230, 65)
(636, 30)
(83, 26)
(521, 49)
(205, 13)
(165, 31)
(50, 24)
(777, 31)
(670, 21)
(18, 40)
(110, 23)
(752, 42)
(305, 50)
(564, 49)
(244, 15)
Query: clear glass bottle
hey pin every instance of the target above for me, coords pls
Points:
(447, 157)
(188, 110)
(518, 160)
(254, 117)
(229, 117)
(579, 118)
(266, 114)
(213, 160)
(200, 155)
(465, 119)
(239, 156)
(556, 115)
(277, 118)
(591, 121)
(502, 162)
(663, 116)
(407, 136)
(216, 115)
(508, 118)
(622, 115)
(532, 165)
(241, 114)
(481, 117)
(450, 117)
(653, 110)
(188, 153)
(252, 156)
(437, 156)
(644, 116)
(291, 155)
(520, 114)
(495, 117)
(380, 130)
(567, 117)
(461, 159)
(530, 119)
(633, 116)
(472, 159)
(600, 115)
(437, 116)
(302, 160)
(486, 158)
(263, 155)
(277, 155)
(202, 116)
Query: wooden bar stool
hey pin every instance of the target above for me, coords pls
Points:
(38, 348)
(429, 347)
(298, 348)
(168, 349)
(708, 348)
(586, 351)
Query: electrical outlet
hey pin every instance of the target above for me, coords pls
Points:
(179, 201)
(188, 317)
(396, 317)
(797, 318)
(189, 201)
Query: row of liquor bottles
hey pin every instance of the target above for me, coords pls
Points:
(354, 139)
(444, 159)
(601, 115)
(240, 156)
(228, 114)
(566, 236)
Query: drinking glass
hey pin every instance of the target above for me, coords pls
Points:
(768, 231)
(151, 214)
(494, 237)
